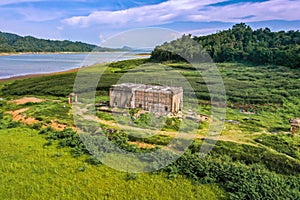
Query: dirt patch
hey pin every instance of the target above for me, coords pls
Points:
(27, 100)
(57, 126)
(18, 116)
(143, 145)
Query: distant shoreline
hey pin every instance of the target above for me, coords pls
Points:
(38, 75)
(64, 52)
(67, 52)
(32, 75)
(72, 70)
(34, 53)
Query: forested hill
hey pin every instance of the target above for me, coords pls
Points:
(238, 44)
(15, 43)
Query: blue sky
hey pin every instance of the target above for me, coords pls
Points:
(93, 21)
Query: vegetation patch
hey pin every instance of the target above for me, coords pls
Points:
(253, 165)
(287, 144)
(238, 44)
(31, 170)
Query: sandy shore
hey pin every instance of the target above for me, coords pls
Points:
(38, 75)
(28, 53)
(92, 52)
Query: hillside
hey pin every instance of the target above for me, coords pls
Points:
(255, 157)
(238, 44)
(10, 43)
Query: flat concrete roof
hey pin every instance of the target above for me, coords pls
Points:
(148, 88)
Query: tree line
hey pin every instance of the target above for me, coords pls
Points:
(11, 43)
(238, 44)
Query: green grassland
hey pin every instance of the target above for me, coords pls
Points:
(271, 92)
(255, 158)
(31, 171)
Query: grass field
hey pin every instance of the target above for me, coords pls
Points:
(31, 171)
(272, 92)
(255, 156)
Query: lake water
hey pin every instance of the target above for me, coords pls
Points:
(24, 64)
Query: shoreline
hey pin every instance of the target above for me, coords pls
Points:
(38, 75)
(66, 52)
(39, 53)
(33, 75)
(63, 52)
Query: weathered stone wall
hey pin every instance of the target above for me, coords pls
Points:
(120, 97)
(150, 98)
(295, 125)
(154, 101)
(177, 102)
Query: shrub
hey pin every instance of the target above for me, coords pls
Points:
(131, 176)
(13, 124)
(37, 125)
(241, 181)
(93, 160)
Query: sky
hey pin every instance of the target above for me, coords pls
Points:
(95, 21)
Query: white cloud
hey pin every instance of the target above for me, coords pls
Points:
(144, 15)
(202, 31)
(269, 10)
(190, 10)
(36, 15)
(30, 13)
(7, 2)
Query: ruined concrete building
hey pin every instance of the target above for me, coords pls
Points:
(153, 98)
(72, 98)
(295, 125)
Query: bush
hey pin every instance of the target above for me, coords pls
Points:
(282, 143)
(37, 125)
(239, 180)
(131, 176)
(46, 130)
(13, 124)
(93, 161)
(172, 123)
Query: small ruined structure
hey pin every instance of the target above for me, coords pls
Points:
(153, 98)
(295, 125)
(72, 98)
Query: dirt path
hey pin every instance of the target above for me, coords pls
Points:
(57, 126)
(143, 145)
(225, 138)
(27, 100)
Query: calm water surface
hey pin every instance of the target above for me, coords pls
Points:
(24, 64)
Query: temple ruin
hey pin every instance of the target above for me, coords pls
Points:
(295, 125)
(153, 98)
(72, 98)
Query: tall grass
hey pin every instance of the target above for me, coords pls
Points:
(31, 171)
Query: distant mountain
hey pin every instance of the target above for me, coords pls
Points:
(10, 43)
(144, 50)
(127, 48)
